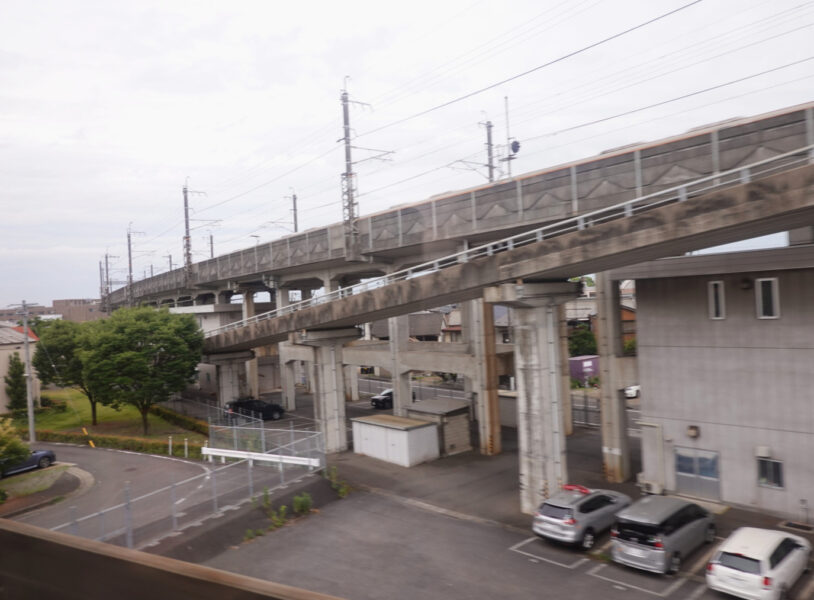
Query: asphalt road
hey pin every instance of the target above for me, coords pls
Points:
(110, 470)
(370, 546)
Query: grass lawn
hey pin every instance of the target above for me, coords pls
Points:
(124, 422)
(34, 481)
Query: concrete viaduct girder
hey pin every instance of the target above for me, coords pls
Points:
(775, 203)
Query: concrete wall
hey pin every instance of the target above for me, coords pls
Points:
(80, 569)
(745, 382)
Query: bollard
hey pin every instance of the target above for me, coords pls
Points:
(251, 480)
(186, 448)
(170, 446)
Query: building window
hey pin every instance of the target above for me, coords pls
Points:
(717, 306)
(767, 298)
(770, 472)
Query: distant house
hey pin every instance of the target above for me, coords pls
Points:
(12, 339)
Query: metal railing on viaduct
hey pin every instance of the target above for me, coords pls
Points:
(763, 197)
(491, 212)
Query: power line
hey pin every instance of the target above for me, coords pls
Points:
(663, 102)
(530, 71)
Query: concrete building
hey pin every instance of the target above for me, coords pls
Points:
(12, 339)
(726, 344)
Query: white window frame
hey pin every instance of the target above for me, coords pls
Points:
(771, 484)
(711, 292)
(775, 297)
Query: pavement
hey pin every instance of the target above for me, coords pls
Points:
(467, 485)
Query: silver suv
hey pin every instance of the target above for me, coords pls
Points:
(657, 532)
(576, 515)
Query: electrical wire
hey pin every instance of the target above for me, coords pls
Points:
(529, 71)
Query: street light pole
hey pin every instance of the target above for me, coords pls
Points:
(29, 385)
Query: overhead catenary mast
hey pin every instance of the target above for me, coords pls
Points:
(349, 205)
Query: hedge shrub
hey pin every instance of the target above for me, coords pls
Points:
(183, 421)
(120, 442)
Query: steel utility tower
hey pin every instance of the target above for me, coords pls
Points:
(187, 240)
(349, 204)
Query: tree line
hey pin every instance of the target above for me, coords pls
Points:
(138, 356)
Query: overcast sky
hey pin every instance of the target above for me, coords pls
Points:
(107, 108)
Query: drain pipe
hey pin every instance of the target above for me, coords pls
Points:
(660, 450)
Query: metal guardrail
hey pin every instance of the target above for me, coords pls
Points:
(629, 208)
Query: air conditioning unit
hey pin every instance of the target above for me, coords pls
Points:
(649, 487)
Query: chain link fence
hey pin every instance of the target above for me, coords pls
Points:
(585, 410)
(145, 520)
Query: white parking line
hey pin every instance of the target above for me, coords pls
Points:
(663, 594)
(516, 548)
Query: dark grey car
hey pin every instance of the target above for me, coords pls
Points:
(577, 515)
(657, 533)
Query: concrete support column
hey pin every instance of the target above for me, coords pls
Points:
(615, 447)
(230, 374)
(329, 385)
(287, 373)
(398, 331)
(351, 383)
(478, 322)
(538, 373)
(565, 373)
(329, 397)
(252, 380)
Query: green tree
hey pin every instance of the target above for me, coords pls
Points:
(15, 383)
(581, 341)
(140, 356)
(12, 448)
(57, 358)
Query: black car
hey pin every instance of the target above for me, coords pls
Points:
(384, 400)
(38, 459)
(253, 407)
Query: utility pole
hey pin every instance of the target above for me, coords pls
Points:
(211, 246)
(29, 386)
(490, 163)
(151, 269)
(130, 234)
(509, 156)
(294, 208)
(169, 256)
(512, 146)
(101, 284)
(187, 241)
(129, 266)
(349, 207)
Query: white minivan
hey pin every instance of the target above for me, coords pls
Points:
(758, 564)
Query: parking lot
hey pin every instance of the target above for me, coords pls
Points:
(373, 545)
(452, 528)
